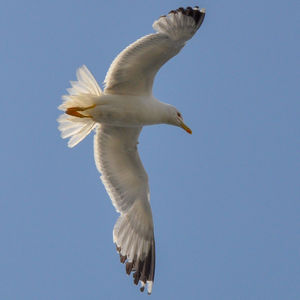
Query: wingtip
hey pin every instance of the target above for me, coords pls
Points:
(143, 270)
(149, 287)
(142, 288)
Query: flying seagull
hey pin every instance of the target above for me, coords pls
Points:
(118, 115)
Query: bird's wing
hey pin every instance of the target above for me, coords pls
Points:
(133, 70)
(126, 181)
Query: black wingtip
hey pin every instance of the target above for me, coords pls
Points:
(194, 12)
(144, 270)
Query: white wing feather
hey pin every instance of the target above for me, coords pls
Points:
(133, 70)
(126, 182)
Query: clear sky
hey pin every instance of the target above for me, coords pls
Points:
(225, 200)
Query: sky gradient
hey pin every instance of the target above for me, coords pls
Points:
(225, 199)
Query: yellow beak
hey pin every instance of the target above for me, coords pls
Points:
(187, 129)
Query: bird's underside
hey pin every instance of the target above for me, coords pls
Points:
(115, 147)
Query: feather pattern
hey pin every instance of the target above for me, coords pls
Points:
(117, 159)
(82, 94)
(133, 70)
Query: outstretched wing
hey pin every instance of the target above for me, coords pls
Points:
(133, 70)
(125, 179)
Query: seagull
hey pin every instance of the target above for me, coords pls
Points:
(118, 114)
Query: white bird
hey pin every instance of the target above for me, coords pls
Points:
(118, 114)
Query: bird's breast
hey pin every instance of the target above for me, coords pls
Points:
(126, 111)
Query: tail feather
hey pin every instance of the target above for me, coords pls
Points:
(81, 94)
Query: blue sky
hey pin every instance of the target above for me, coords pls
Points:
(225, 200)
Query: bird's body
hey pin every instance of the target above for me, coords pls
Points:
(118, 114)
(128, 110)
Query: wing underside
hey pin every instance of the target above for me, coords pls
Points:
(126, 182)
(133, 70)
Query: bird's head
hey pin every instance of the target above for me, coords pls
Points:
(177, 120)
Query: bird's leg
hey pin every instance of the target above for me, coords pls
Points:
(74, 111)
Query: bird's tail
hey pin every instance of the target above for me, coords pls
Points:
(75, 123)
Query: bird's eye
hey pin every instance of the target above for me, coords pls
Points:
(179, 115)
